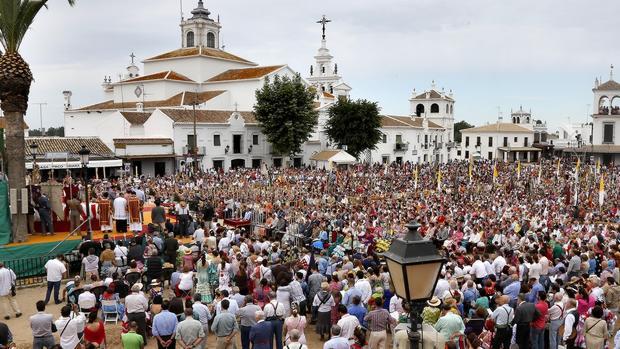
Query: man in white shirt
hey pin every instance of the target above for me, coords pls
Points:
(87, 300)
(199, 234)
(478, 270)
(274, 313)
(363, 286)
(55, 270)
(348, 323)
(69, 326)
(556, 317)
(233, 307)
(120, 254)
(570, 323)
(498, 263)
(7, 280)
(137, 305)
(120, 214)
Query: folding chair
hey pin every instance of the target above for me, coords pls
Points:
(110, 311)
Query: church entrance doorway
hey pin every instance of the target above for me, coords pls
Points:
(236, 163)
(256, 163)
(236, 144)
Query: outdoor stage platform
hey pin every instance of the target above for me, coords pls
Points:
(41, 245)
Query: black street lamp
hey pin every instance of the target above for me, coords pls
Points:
(34, 151)
(415, 266)
(84, 159)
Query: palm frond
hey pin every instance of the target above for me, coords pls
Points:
(16, 16)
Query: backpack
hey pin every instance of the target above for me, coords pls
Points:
(574, 332)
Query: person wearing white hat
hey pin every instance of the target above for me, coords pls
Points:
(137, 305)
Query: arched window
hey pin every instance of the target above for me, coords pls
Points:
(603, 105)
(419, 109)
(434, 108)
(331, 89)
(615, 105)
(190, 39)
(451, 108)
(210, 40)
(447, 109)
(323, 69)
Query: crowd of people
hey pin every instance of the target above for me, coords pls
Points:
(532, 258)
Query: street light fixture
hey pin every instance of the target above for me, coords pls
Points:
(414, 265)
(84, 159)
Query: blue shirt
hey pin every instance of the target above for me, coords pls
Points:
(592, 263)
(358, 311)
(322, 265)
(202, 314)
(513, 289)
(164, 324)
(347, 299)
(532, 297)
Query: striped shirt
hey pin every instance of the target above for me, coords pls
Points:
(378, 320)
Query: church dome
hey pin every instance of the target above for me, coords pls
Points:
(201, 12)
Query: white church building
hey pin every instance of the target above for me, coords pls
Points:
(200, 95)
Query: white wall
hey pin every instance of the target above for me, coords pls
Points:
(106, 125)
(498, 142)
(599, 122)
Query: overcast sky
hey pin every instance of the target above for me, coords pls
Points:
(494, 55)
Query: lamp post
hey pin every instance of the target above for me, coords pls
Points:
(84, 158)
(414, 265)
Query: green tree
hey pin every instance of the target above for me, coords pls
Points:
(16, 16)
(355, 124)
(461, 125)
(285, 112)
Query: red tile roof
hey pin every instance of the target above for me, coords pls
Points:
(406, 121)
(610, 85)
(245, 74)
(71, 145)
(136, 118)
(177, 100)
(432, 95)
(164, 75)
(200, 51)
(207, 116)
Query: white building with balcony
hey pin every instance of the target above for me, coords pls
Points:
(499, 141)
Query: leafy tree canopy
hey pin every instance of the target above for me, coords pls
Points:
(355, 124)
(285, 112)
(461, 125)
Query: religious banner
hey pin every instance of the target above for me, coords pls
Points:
(601, 191)
(54, 192)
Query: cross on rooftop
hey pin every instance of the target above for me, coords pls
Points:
(132, 57)
(323, 22)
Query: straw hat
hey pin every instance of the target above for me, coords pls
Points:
(434, 302)
(154, 282)
(188, 252)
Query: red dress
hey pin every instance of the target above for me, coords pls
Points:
(95, 336)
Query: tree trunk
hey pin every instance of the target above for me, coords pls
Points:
(16, 169)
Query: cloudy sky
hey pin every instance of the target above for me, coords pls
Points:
(494, 55)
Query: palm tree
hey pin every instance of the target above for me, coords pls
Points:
(16, 16)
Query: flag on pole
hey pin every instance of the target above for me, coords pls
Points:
(415, 177)
(540, 172)
(601, 191)
(557, 171)
(471, 168)
(598, 167)
(438, 179)
(518, 169)
(495, 174)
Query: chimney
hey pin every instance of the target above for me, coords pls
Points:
(67, 95)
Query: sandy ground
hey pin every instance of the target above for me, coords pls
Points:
(26, 298)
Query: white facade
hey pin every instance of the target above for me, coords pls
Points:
(499, 141)
(203, 94)
(606, 121)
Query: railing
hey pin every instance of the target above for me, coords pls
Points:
(31, 270)
(401, 146)
(78, 228)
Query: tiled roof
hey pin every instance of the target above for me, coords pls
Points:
(432, 95)
(207, 116)
(3, 123)
(136, 118)
(199, 51)
(164, 75)
(139, 141)
(499, 127)
(324, 155)
(71, 145)
(245, 74)
(328, 95)
(174, 101)
(406, 121)
(610, 85)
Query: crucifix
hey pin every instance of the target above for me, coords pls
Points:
(324, 21)
(132, 57)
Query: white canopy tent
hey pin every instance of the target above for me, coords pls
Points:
(330, 159)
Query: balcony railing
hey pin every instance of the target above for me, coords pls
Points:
(190, 150)
(401, 146)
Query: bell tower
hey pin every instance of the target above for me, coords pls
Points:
(200, 29)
